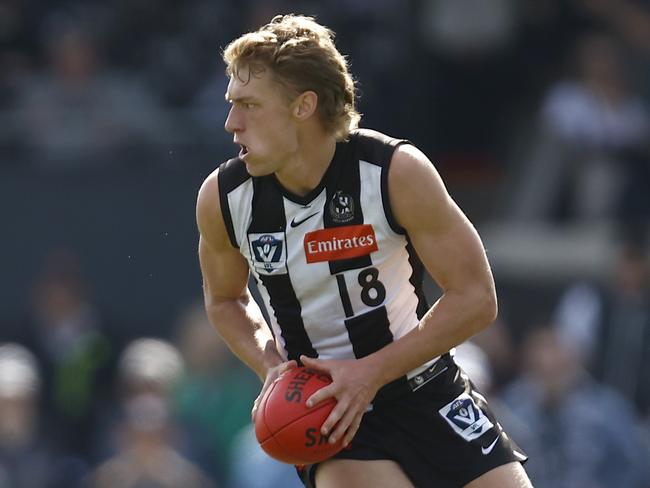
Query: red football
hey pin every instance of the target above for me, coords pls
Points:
(285, 428)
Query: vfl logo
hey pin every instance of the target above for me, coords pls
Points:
(466, 418)
(341, 207)
(268, 252)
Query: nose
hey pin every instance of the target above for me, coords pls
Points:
(233, 121)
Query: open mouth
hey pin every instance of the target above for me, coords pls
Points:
(243, 151)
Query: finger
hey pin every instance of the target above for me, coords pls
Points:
(275, 373)
(320, 395)
(345, 423)
(256, 405)
(314, 363)
(352, 430)
(258, 400)
(334, 417)
(288, 365)
(270, 378)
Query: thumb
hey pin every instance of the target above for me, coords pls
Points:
(288, 365)
(317, 364)
(312, 362)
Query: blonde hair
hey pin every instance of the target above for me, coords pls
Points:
(301, 55)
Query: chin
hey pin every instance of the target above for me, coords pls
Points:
(256, 169)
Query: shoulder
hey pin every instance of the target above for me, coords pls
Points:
(371, 136)
(409, 162)
(207, 202)
(232, 173)
(211, 205)
(374, 146)
(417, 192)
(219, 183)
(411, 170)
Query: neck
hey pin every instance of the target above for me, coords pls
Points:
(308, 164)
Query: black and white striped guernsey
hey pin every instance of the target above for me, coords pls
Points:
(337, 274)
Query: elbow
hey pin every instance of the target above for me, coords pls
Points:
(219, 309)
(209, 302)
(492, 307)
(486, 307)
(211, 306)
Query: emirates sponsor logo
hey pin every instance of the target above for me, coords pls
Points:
(338, 243)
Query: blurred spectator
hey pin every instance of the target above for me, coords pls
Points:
(446, 26)
(215, 396)
(67, 335)
(497, 343)
(146, 452)
(472, 81)
(209, 112)
(608, 324)
(585, 433)
(27, 458)
(79, 114)
(18, 44)
(630, 19)
(146, 458)
(149, 365)
(592, 143)
(253, 468)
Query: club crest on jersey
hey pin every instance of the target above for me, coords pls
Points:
(268, 252)
(466, 418)
(336, 243)
(341, 207)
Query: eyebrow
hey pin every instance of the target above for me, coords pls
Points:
(238, 99)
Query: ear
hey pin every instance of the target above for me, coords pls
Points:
(305, 105)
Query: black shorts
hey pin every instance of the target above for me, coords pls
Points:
(436, 426)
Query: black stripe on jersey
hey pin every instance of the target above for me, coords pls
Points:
(369, 332)
(416, 279)
(231, 174)
(345, 295)
(385, 199)
(268, 216)
(346, 179)
(288, 313)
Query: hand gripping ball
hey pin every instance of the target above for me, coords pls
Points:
(285, 428)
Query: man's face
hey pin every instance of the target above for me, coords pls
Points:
(260, 121)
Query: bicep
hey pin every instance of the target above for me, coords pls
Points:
(224, 269)
(446, 241)
(225, 272)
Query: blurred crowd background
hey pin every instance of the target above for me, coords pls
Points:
(111, 114)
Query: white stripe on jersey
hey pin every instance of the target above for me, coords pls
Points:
(240, 199)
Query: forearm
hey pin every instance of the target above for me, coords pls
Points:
(453, 319)
(242, 326)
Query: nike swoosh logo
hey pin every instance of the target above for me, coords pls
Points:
(296, 223)
(487, 450)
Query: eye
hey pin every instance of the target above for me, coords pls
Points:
(249, 105)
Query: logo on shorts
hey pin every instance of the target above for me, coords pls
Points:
(268, 252)
(341, 207)
(466, 418)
